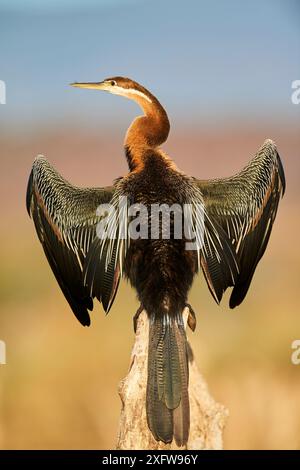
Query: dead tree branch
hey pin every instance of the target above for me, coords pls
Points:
(208, 418)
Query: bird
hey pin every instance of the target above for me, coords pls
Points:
(230, 221)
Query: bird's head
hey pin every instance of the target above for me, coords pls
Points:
(119, 86)
(154, 130)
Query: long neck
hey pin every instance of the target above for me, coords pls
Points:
(147, 131)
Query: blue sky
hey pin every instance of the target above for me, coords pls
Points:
(205, 60)
(50, 5)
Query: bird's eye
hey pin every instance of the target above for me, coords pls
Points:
(113, 82)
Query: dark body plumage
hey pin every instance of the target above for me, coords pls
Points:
(162, 272)
(236, 222)
(161, 268)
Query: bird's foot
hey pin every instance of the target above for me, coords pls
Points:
(136, 317)
(191, 321)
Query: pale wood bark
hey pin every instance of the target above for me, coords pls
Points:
(208, 418)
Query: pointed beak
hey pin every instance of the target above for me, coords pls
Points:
(92, 85)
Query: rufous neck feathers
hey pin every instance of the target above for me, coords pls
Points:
(148, 131)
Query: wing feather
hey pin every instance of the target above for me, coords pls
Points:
(65, 219)
(245, 207)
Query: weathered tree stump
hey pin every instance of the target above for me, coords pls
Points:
(208, 418)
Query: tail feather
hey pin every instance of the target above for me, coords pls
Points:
(167, 388)
(171, 369)
(159, 417)
(182, 413)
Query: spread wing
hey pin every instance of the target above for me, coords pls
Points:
(66, 220)
(245, 207)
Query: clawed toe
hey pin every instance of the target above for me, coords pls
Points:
(136, 317)
(191, 318)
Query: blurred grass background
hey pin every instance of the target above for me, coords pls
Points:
(59, 387)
